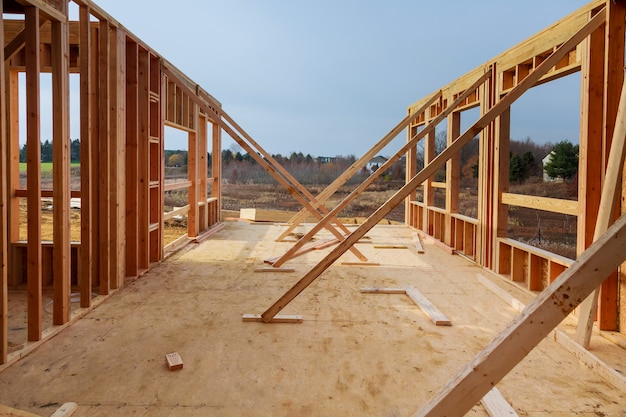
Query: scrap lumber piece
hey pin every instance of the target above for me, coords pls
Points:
(12, 412)
(496, 405)
(66, 410)
(418, 243)
(390, 247)
(286, 318)
(360, 263)
(275, 270)
(376, 290)
(428, 308)
(174, 361)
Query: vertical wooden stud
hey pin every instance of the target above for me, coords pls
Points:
(61, 172)
(4, 261)
(411, 170)
(143, 154)
(216, 167)
(132, 159)
(193, 192)
(86, 142)
(104, 175)
(33, 174)
(202, 170)
(452, 177)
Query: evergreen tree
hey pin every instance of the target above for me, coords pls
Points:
(563, 162)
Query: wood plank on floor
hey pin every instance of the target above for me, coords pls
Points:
(428, 308)
(496, 405)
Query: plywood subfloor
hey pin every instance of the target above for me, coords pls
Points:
(354, 354)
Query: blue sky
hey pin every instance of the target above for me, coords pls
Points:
(331, 77)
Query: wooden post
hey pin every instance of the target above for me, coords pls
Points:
(104, 173)
(4, 282)
(61, 173)
(410, 171)
(86, 172)
(193, 192)
(117, 102)
(203, 170)
(33, 174)
(216, 164)
(429, 191)
(503, 127)
(132, 160)
(94, 180)
(143, 162)
(453, 167)
(438, 162)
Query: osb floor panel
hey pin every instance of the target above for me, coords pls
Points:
(354, 355)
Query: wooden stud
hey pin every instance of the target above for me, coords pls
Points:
(61, 174)
(453, 171)
(104, 173)
(33, 175)
(203, 223)
(143, 151)
(132, 159)
(4, 241)
(94, 183)
(193, 192)
(86, 151)
(117, 156)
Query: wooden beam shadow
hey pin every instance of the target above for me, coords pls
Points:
(435, 315)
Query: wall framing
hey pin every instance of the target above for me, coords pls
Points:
(126, 99)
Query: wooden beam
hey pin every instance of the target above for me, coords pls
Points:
(554, 205)
(46, 9)
(66, 410)
(33, 175)
(17, 43)
(132, 160)
(193, 220)
(537, 320)
(86, 168)
(61, 173)
(437, 163)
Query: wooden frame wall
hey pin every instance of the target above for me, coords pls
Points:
(125, 102)
(599, 58)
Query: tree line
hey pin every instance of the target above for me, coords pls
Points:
(525, 162)
(46, 151)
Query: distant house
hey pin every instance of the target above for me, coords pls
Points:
(376, 162)
(544, 161)
(325, 159)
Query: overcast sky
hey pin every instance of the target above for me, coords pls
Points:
(331, 77)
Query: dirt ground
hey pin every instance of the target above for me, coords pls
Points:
(354, 354)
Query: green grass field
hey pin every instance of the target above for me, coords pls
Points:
(46, 167)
